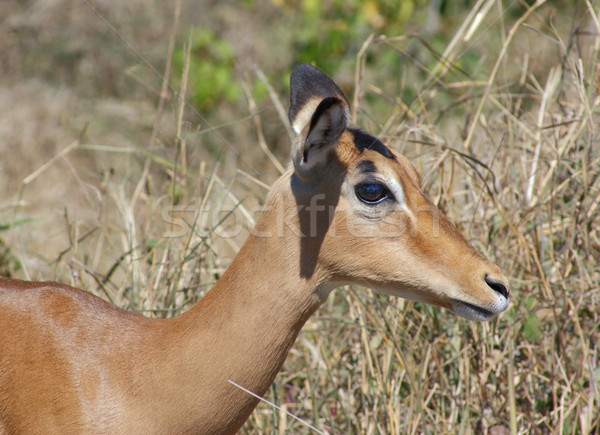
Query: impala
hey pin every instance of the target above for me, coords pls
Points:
(349, 210)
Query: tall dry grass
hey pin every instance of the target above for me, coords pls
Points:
(126, 203)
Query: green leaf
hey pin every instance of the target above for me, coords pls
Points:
(531, 328)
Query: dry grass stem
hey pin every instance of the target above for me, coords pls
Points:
(153, 196)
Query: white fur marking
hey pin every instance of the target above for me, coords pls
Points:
(304, 116)
(398, 193)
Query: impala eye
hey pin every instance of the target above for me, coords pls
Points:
(372, 193)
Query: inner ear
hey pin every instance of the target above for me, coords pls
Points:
(312, 149)
(326, 125)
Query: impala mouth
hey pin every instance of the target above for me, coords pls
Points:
(473, 312)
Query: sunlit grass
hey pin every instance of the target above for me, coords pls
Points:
(146, 203)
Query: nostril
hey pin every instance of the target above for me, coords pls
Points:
(497, 286)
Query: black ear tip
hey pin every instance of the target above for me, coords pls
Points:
(304, 67)
(305, 72)
(309, 84)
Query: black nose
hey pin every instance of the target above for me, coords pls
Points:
(497, 286)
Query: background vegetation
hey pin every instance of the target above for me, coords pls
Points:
(137, 139)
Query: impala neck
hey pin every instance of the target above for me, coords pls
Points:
(242, 330)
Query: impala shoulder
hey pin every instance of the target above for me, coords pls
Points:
(61, 303)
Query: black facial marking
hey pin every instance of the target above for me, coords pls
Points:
(366, 167)
(364, 141)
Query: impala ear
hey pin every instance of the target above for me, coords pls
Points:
(319, 113)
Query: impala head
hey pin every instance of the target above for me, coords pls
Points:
(364, 219)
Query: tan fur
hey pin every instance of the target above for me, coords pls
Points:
(72, 363)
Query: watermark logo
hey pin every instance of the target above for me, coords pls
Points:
(280, 219)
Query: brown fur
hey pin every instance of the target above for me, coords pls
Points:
(72, 363)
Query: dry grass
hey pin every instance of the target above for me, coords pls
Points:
(116, 193)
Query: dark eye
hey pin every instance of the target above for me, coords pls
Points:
(371, 193)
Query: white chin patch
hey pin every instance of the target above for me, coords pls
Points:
(474, 312)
